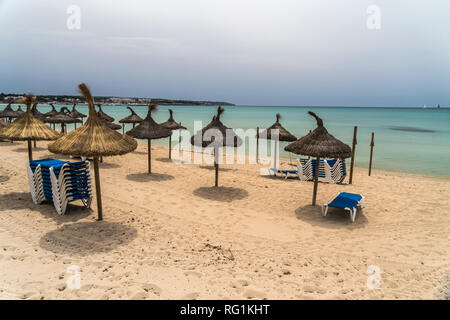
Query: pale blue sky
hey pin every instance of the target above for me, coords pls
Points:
(284, 52)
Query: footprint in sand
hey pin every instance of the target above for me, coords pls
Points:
(191, 296)
(140, 296)
(193, 273)
(152, 288)
(254, 294)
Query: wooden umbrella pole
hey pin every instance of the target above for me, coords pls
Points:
(257, 144)
(170, 146)
(98, 190)
(149, 156)
(372, 144)
(355, 130)
(216, 166)
(30, 150)
(316, 181)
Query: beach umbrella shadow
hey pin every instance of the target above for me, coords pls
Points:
(22, 200)
(335, 219)
(109, 165)
(26, 149)
(86, 238)
(15, 201)
(213, 168)
(145, 177)
(223, 194)
(164, 160)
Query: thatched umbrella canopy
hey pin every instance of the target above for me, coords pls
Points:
(3, 124)
(12, 114)
(17, 113)
(77, 115)
(103, 115)
(93, 139)
(28, 128)
(149, 129)
(319, 144)
(283, 135)
(8, 112)
(216, 134)
(172, 125)
(63, 118)
(111, 125)
(132, 118)
(36, 113)
(52, 112)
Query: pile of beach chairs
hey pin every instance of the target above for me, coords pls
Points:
(59, 182)
(332, 170)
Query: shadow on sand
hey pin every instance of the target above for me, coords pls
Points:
(139, 152)
(108, 165)
(223, 194)
(22, 200)
(163, 159)
(212, 168)
(26, 149)
(336, 218)
(4, 178)
(145, 177)
(85, 238)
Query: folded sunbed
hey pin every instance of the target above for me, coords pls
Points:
(347, 201)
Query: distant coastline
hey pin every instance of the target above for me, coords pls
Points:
(104, 100)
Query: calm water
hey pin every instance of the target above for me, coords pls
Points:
(408, 140)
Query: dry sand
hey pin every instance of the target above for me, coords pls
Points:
(171, 236)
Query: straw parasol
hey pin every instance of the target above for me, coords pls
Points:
(62, 118)
(51, 113)
(12, 114)
(132, 118)
(28, 128)
(283, 135)
(93, 139)
(320, 144)
(36, 113)
(8, 112)
(216, 135)
(111, 125)
(172, 125)
(77, 115)
(3, 124)
(103, 115)
(149, 129)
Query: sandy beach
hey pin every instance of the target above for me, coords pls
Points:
(172, 236)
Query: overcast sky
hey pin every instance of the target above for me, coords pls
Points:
(278, 52)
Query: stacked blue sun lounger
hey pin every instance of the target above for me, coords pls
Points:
(60, 182)
(346, 201)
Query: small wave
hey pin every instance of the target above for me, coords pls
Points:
(410, 129)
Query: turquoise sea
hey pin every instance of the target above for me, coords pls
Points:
(410, 140)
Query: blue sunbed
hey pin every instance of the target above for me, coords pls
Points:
(347, 201)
